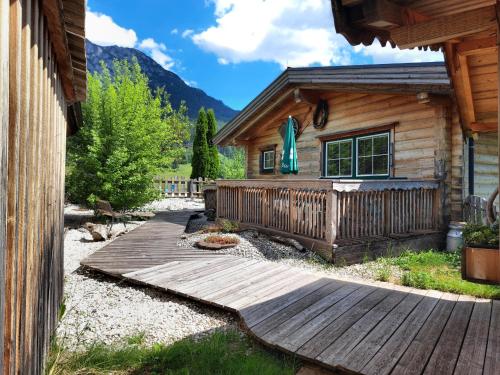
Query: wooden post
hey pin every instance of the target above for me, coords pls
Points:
(331, 217)
(190, 188)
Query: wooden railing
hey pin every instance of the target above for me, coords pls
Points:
(181, 186)
(328, 210)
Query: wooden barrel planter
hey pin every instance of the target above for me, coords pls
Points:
(481, 265)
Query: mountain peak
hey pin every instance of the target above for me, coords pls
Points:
(159, 77)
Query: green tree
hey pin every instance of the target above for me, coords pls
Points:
(199, 161)
(233, 166)
(128, 135)
(213, 159)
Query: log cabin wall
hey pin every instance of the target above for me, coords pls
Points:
(33, 126)
(485, 164)
(427, 139)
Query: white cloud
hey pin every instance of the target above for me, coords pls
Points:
(174, 31)
(187, 33)
(157, 51)
(102, 30)
(288, 32)
(387, 54)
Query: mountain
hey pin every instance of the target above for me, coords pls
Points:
(160, 77)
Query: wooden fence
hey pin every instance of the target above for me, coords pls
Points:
(181, 186)
(325, 211)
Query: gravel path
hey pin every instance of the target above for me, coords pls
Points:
(102, 309)
(256, 245)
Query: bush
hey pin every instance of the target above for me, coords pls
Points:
(477, 235)
(383, 274)
(128, 135)
(199, 162)
(228, 226)
(233, 167)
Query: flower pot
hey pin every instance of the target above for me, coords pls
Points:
(481, 265)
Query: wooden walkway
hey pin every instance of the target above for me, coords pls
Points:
(356, 327)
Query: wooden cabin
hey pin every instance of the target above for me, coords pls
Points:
(380, 152)
(42, 78)
(466, 31)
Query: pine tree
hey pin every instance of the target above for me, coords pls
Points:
(213, 160)
(199, 161)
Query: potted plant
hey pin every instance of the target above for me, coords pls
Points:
(481, 254)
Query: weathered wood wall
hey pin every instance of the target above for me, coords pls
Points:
(32, 144)
(427, 139)
(485, 164)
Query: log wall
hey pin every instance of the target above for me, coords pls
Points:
(32, 143)
(427, 139)
(485, 164)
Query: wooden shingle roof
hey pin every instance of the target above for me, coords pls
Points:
(387, 78)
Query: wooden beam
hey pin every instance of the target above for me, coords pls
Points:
(441, 29)
(484, 127)
(466, 93)
(305, 96)
(477, 46)
(432, 99)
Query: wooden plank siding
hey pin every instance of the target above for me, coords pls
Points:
(485, 164)
(428, 140)
(33, 126)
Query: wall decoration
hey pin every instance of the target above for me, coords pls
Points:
(320, 117)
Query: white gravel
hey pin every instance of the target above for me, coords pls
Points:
(259, 246)
(176, 204)
(101, 309)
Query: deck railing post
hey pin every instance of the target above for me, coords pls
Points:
(292, 210)
(387, 212)
(331, 216)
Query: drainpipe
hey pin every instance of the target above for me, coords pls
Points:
(471, 166)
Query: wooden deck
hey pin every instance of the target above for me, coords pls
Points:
(359, 328)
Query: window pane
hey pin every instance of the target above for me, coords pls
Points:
(365, 165)
(333, 150)
(332, 168)
(380, 165)
(365, 147)
(380, 144)
(268, 159)
(345, 167)
(345, 149)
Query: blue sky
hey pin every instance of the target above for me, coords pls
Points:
(232, 49)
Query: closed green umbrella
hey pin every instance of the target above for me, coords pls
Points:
(289, 162)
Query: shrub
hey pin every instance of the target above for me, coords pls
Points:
(128, 135)
(222, 240)
(228, 226)
(478, 235)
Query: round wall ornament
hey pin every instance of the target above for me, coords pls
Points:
(320, 117)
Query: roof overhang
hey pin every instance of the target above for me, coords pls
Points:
(66, 26)
(431, 78)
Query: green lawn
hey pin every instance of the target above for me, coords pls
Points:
(183, 170)
(435, 270)
(221, 353)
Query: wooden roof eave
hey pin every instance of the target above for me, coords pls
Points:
(65, 50)
(408, 79)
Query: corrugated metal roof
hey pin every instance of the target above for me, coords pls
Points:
(396, 78)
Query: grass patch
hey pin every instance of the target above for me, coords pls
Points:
(440, 271)
(183, 170)
(220, 353)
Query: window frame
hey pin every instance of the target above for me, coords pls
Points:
(272, 159)
(354, 155)
(351, 140)
(262, 152)
(373, 175)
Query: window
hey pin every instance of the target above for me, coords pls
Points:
(267, 159)
(339, 158)
(373, 155)
(358, 156)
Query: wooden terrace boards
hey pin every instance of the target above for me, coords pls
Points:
(356, 327)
